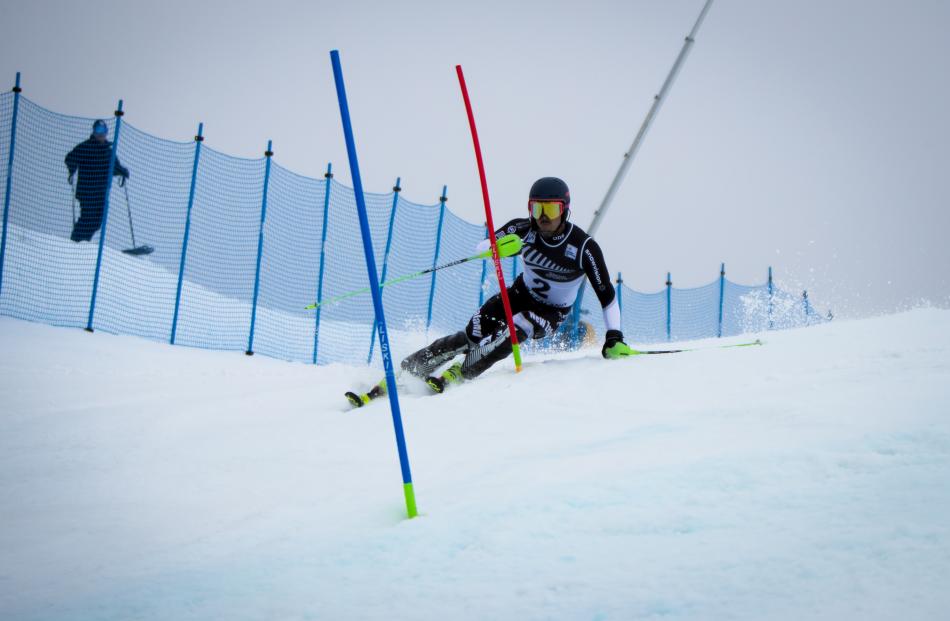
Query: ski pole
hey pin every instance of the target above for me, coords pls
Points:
(72, 191)
(507, 246)
(128, 205)
(677, 351)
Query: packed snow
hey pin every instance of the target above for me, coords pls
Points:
(805, 478)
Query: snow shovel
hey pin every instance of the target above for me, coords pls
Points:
(135, 250)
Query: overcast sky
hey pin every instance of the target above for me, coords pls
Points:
(811, 136)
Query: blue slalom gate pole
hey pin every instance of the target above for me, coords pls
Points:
(435, 257)
(481, 282)
(389, 243)
(199, 138)
(260, 249)
(6, 195)
(323, 246)
(722, 291)
(105, 216)
(620, 297)
(575, 322)
(374, 285)
(669, 300)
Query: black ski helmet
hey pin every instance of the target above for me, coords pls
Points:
(100, 127)
(551, 188)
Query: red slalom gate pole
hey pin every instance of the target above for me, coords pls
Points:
(488, 220)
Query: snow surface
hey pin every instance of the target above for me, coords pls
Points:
(805, 479)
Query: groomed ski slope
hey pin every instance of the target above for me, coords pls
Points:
(805, 479)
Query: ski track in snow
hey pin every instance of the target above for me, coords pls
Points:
(808, 478)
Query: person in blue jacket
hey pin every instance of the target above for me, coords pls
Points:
(90, 159)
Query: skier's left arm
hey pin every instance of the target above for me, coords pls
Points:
(593, 264)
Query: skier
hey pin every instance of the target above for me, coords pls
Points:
(557, 256)
(91, 159)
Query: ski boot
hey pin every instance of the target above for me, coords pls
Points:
(375, 392)
(452, 375)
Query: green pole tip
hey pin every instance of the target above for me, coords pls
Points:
(410, 500)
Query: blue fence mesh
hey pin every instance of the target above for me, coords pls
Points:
(210, 275)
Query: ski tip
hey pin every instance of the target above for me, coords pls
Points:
(354, 399)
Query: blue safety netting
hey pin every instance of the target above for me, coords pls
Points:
(242, 246)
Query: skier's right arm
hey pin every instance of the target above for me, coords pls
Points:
(518, 226)
(72, 161)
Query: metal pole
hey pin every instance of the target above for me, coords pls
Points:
(260, 249)
(635, 146)
(389, 241)
(199, 138)
(323, 243)
(6, 195)
(771, 293)
(435, 258)
(105, 215)
(657, 102)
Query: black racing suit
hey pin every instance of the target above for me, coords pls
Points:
(541, 298)
(91, 159)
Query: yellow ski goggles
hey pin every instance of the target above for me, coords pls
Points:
(551, 209)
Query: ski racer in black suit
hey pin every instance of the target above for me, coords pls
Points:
(91, 159)
(557, 256)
